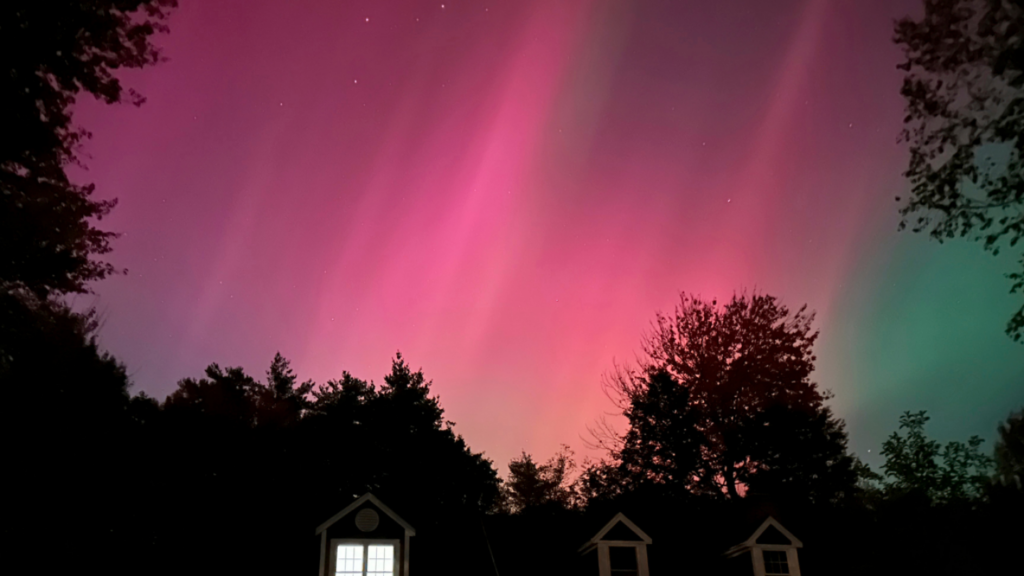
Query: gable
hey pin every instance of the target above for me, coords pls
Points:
(367, 501)
(622, 532)
(366, 521)
(772, 535)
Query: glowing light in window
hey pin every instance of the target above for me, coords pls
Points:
(380, 560)
(365, 560)
(350, 560)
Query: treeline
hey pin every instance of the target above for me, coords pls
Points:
(232, 472)
(228, 473)
(724, 426)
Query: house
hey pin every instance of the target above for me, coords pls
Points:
(619, 548)
(771, 551)
(369, 539)
(365, 539)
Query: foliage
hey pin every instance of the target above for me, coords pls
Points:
(965, 117)
(279, 456)
(663, 443)
(51, 55)
(63, 431)
(531, 485)
(919, 466)
(1009, 451)
(722, 402)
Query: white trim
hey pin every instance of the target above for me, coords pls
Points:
(757, 554)
(601, 547)
(769, 521)
(604, 562)
(620, 517)
(751, 542)
(409, 530)
(757, 550)
(405, 555)
(323, 553)
(332, 554)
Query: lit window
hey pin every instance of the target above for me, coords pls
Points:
(365, 560)
(623, 560)
(380, 561)
(350, 560)
(775, 562)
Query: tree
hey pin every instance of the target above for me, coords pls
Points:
(407, 425)
(65, 408)
(281, 455)
(722, 402)
(1009, 451)
(531, 485)
(50, 55)
(283, 401)
(663, 443)
(965, 120)
(917, 465)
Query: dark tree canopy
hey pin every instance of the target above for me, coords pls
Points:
(723, 402)
(918, 466)
(280, 456)
(965, 120)
(51, 53)
(398, 433)
(533, 485)
(663, 443)
(1009, 451)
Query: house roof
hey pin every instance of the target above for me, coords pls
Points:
(619, 518)
(752, 540)
(359, 502)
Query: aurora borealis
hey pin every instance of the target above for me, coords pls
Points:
(508, 191)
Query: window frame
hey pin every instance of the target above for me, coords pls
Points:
(604, 555)
(636, 556)
(785, 558)
(332, 553)
(761, 568)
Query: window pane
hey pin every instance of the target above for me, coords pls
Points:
(775, 562)
(380, 560)
(349, 560)
(622, 557)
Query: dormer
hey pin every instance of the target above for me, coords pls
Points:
(620, 548)
(365, 539)
(772, 550)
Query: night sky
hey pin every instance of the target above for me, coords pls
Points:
(507, 191)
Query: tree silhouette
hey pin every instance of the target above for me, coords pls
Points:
(965, 117)
(64, 431)
(1009, 451)
(531, 485)
(663, 443)
(722, 402)
(918, 466)
(279, 456)
(51, 54)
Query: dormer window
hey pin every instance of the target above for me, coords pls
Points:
(364, 560)
(620, 547)
(775, 562)
(772, 551)
(365, 539)
(623, 561)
